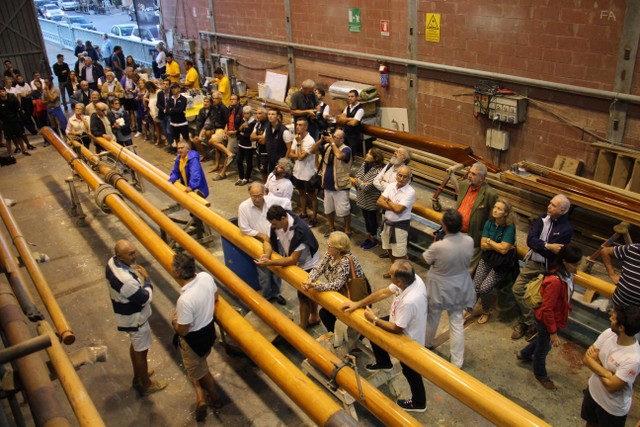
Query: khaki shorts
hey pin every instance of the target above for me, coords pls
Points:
(195, 365)
(399, 248)
(141, 339)
(337, 201)
(218, 136)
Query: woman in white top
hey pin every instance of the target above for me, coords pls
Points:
(278, 182)
(78, 126)
(151, 99)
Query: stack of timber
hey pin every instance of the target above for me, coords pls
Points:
(592, 219)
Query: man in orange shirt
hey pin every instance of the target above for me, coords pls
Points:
(475, 201)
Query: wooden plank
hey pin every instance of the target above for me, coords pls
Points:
(604, 166)
(585, 202)
(634, 181)
(622, 171)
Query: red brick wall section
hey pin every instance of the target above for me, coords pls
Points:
(572, 42)
(185, 18)
(251, 18)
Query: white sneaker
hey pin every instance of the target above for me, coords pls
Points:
(137, 134)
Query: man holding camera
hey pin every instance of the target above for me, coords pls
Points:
(335, 169)
(304, 105)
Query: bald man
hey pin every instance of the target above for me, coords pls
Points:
(548, 234)
(131, 292)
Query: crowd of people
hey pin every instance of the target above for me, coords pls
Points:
(474, 254)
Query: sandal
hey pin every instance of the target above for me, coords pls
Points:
(214, 169)
(484, 318)
(218, 177)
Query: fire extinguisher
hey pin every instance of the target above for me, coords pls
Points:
(384, 75)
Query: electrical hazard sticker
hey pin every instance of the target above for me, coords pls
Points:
(432, 31)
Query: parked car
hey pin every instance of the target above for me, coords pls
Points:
(56, 18)
(51, 9)
(122, 30)
(68, 4)
(79, 21)
(149, 34)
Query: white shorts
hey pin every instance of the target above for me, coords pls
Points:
(141, 339)
(337, 201)
(399, 248)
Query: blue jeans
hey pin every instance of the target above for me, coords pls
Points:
(168, 133)
(538, 350)
(269, 282)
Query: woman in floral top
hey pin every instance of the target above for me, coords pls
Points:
(336, 268)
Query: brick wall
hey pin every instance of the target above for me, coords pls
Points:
(572, 43)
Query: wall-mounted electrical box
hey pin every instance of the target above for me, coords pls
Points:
(498, 139)
(508, 108)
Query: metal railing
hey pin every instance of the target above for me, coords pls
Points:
(66, 37)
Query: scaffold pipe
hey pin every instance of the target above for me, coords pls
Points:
(326, 361)
(462, 386)
(81, 403)
(321, 408)
(33, 374)
(42, 286)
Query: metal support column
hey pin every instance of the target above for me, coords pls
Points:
(291, 59)
(412, 69)
(624, 71)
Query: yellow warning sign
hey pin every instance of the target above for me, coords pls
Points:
(432, 31)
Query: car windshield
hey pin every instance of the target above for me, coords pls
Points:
(78, 20)
(50, 6)
(126, 31)
(148, 33)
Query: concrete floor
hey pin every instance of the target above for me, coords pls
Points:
(78, 252)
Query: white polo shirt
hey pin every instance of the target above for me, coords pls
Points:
(405, 196)
(195, 305)
(253, 221)
(409, 309)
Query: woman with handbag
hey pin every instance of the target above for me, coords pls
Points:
(343, 272)
(498, 255)
(553, 314)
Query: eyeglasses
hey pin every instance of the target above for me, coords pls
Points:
(401, 175)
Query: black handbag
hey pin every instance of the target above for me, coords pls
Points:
(500, 262)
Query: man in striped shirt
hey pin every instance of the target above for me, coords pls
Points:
(628, 281)
(131, 292)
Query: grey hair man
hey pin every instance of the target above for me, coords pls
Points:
(304, 105)
(475, 202)
(548, 234)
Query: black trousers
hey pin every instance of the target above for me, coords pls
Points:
(414, 379)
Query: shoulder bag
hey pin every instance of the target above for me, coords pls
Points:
(356, 288)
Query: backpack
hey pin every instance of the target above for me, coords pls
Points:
(533, 294)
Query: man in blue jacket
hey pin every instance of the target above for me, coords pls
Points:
(549, 233)
(188, 171)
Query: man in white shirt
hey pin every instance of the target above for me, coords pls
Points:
(408, 316)
(252, 221)
(193, 323)
(350, 119)
(36, 76)
(302, 152)
(614, 360)
(397, 201)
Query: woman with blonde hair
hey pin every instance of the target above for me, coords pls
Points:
(337, 265)
(498, 254)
